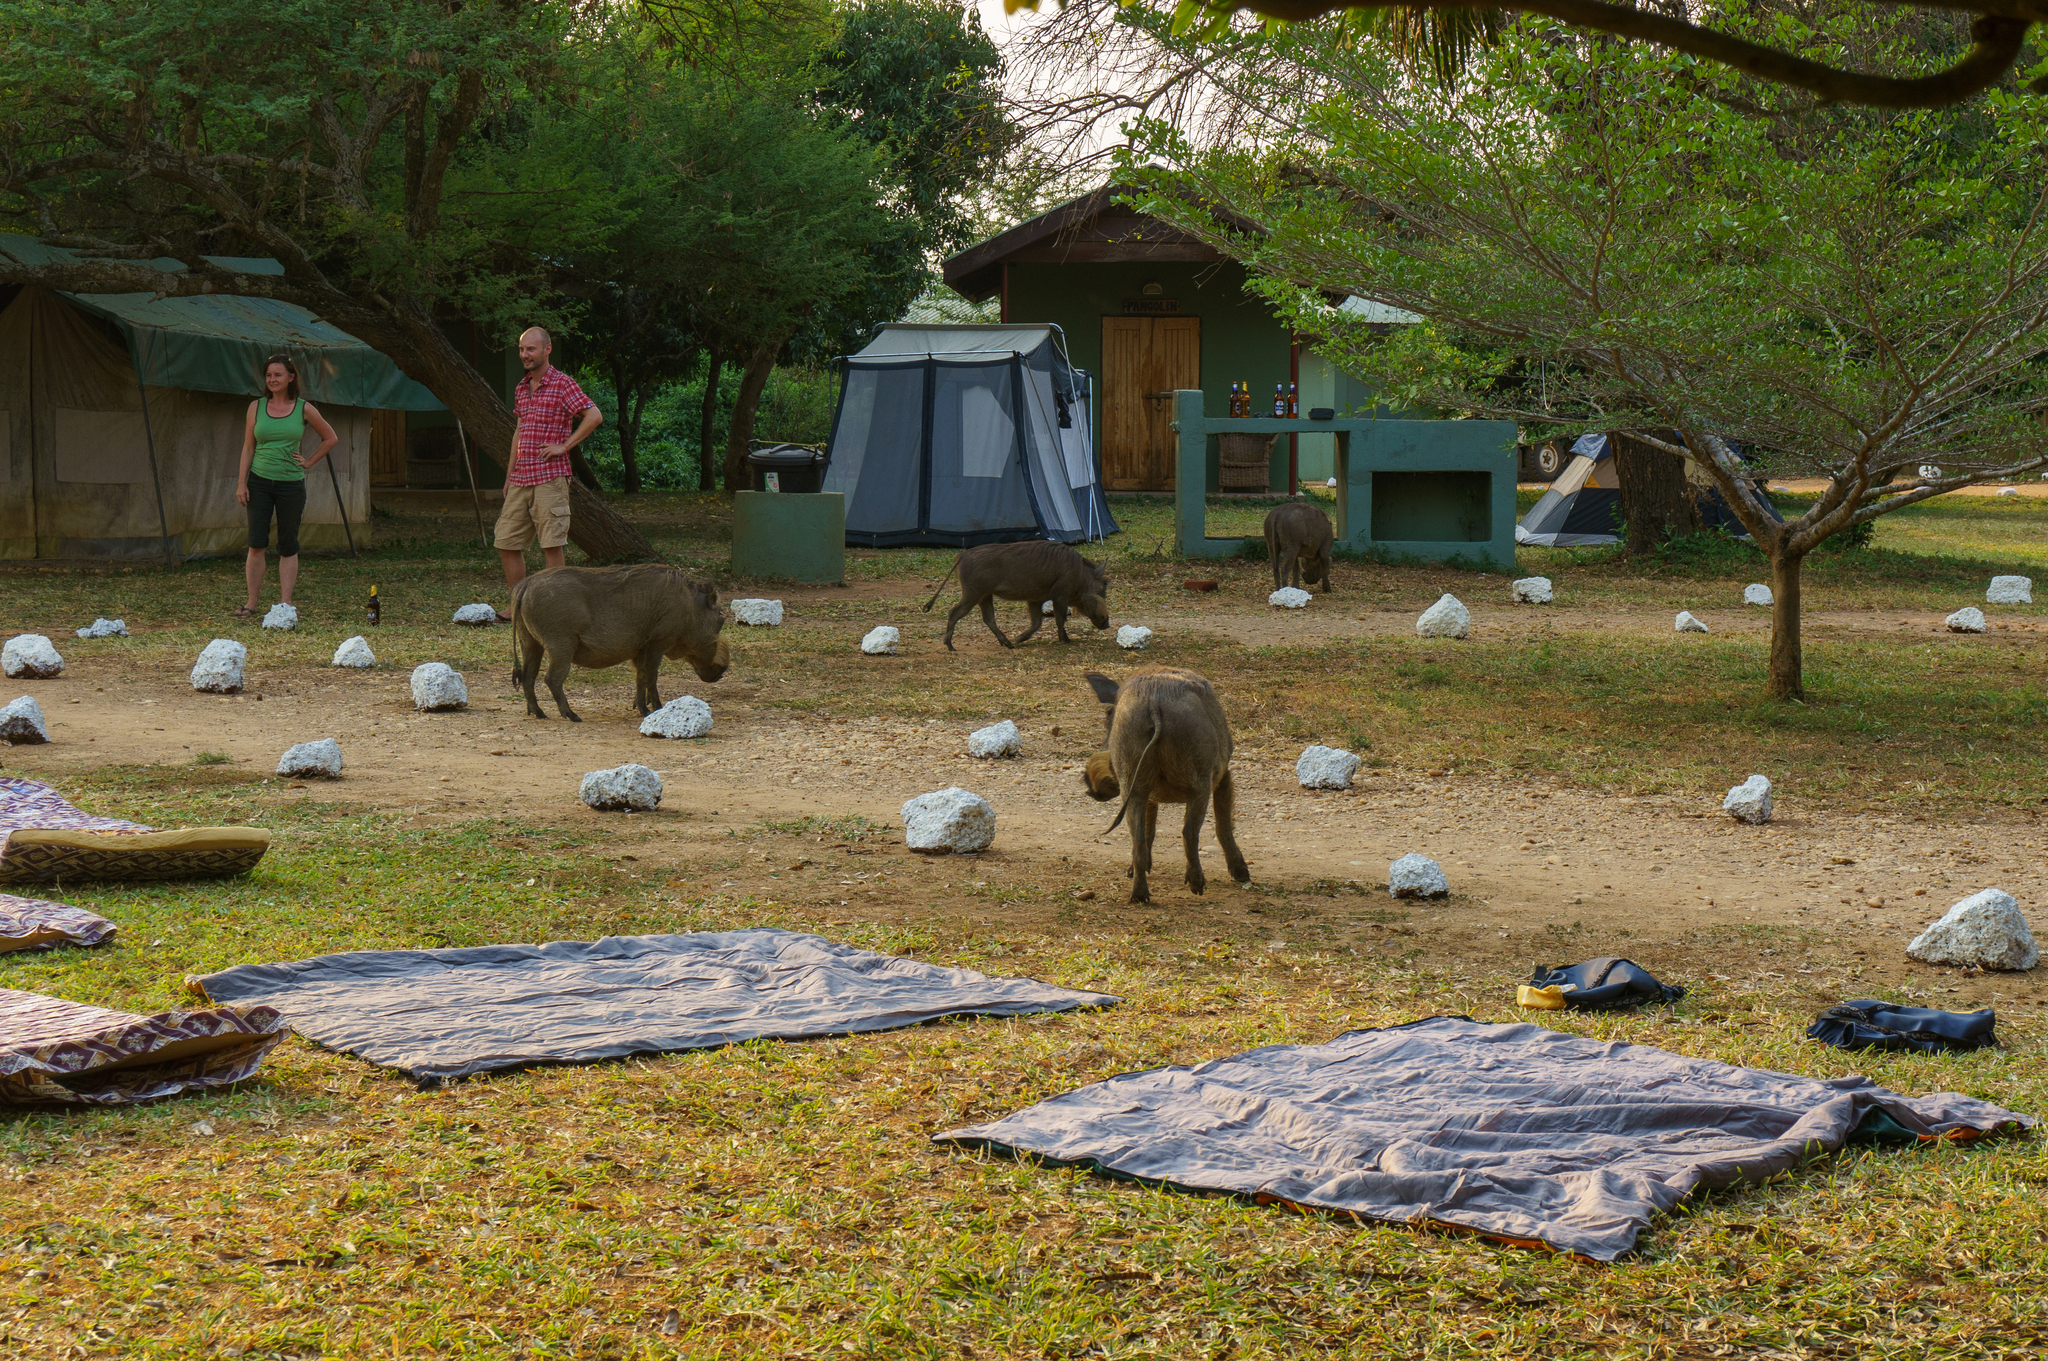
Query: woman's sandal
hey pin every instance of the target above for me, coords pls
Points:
(244, 612)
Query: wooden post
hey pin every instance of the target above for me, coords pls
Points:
(149, 440)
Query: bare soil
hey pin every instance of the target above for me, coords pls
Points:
(1806, 906)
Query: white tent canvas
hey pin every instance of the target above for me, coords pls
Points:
(963, 435)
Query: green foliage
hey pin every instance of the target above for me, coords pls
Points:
(796, 408)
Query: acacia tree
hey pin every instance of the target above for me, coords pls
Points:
(1861, 298)
(374, 148)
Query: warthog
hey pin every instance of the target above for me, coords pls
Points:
(1298, 541)
(1168, 743)
(596, 617)
(1036, 572)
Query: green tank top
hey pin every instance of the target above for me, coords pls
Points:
(277, 439)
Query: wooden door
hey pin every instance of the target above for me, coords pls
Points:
(1144, 361)
(387, 448)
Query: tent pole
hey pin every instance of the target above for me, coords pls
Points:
(475, 497)
(342, 505)
(149, 439)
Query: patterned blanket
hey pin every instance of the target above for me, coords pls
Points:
(32, 924)
(47, 840)
(58, 1052)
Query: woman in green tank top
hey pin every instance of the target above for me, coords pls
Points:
(273, 476)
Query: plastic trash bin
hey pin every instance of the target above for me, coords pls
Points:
(796, 467)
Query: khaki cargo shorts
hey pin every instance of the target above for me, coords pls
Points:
(535, 512)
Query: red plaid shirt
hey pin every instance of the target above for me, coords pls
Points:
(547, 414)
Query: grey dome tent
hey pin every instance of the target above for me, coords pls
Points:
(961, 435)
(1583, 506)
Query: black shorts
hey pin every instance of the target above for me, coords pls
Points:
(288, 500)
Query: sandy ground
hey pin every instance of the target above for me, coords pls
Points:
(1539, 874)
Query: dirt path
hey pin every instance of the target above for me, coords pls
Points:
(1809, 904)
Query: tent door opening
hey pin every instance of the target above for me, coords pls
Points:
(1144, 361)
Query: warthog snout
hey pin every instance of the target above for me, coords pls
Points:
(1097, 610)
(721, 658)
(1100, 778)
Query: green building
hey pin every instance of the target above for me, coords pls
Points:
(1149, 310)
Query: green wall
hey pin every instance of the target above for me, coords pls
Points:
(1241, 339)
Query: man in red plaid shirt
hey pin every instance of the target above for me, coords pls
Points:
(554, 417)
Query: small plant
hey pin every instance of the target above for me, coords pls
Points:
(851, 827)
(212, 758)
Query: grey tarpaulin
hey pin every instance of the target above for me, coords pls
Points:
(1514, 1131)
(438, 1014)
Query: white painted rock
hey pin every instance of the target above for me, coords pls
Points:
(1321, 767)
(1749, 801)
(321, 758)
(1531, 591)
(622, 789)
(282, 616)
(1048, 608)
(1685, 623)
(1448, 618)
(354, 652)
(2010, 591)
(1290, 598)
(2008, 491)
(1984, 930)
(881, 641)
(219, 668)
(762, 614)
(683, 716)
(1417, 876)
(105, 628)
(477, 616)
(22, 725)
(1968, 619)
(1756, 593)
(1929, 470)
(995, 741)
(948, 821)
(1133, 637)
(30, 657)
(436, 686)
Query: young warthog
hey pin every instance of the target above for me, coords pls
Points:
(1298, 540)
(600, 616)
(1035, 572)
(1168, 743)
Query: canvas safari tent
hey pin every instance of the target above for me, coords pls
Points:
(963, 435)
(1583, 506)
(121, 416)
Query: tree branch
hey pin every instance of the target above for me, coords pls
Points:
(1998, 34)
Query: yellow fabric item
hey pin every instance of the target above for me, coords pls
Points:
(40, 855)
(1540, 999)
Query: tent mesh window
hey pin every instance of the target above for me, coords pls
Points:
(1244, 461)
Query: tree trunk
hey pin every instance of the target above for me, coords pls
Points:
(1656, 503)
(707, 479)
(630, 411)
(760, 364)
(1786, 678)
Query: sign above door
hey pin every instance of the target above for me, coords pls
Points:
(1151, 307)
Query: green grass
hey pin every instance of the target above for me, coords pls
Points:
(783, 1200)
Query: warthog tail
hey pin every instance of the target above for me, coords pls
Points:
(942, 584)
(1137, 773)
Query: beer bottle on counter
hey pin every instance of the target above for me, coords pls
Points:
(1293, 405)
(1280, 399)
(376, 610)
